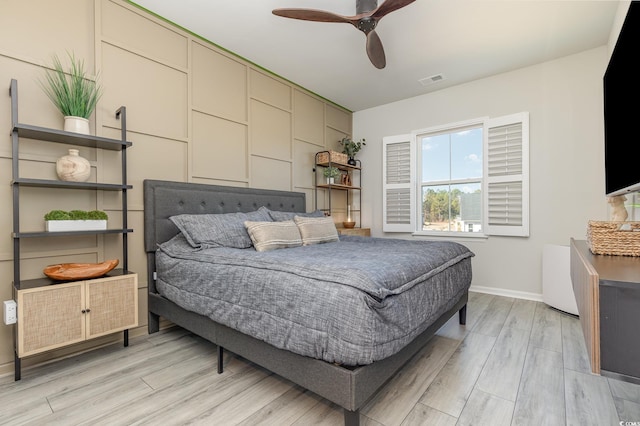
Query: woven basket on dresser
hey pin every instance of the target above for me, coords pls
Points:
(606, 237)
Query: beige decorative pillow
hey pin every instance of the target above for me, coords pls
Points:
(273, 235)
(316, 230)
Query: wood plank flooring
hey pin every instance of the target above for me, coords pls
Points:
(516, 362)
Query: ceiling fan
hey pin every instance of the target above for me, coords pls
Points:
(368, 13)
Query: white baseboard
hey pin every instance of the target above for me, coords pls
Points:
(507, 293)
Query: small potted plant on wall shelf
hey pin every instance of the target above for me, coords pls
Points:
(351, 148)
(75, 220)
(331, 173)
(72, 92)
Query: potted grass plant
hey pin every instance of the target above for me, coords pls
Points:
(75, 220)
(72, 92)
(331, 173)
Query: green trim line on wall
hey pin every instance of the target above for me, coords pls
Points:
(162, 18)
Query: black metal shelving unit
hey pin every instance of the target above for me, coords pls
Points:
(355, 186)
(27, 131)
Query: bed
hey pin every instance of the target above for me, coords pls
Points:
(252, 303)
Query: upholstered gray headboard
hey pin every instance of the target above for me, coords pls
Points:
(163, 199)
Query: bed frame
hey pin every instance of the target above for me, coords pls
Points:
(349, 387)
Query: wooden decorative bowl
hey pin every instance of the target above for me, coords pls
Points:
(348, 225)
(79, 271)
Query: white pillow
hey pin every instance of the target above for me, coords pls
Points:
(273, 235)
(316, 230)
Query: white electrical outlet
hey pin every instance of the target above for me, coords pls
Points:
(10, 312)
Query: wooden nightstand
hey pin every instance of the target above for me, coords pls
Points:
(362, 232)
(51, 316)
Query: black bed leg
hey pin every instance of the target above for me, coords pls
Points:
(462, 314)
(351, 418)
(154, 323)
(220, 359)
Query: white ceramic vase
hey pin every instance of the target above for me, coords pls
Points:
(72, 167)
(76, 125)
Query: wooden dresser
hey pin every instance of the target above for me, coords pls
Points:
(607, 291)
(362, 232)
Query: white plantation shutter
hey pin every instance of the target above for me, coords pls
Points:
(506, 175)
(398, 198)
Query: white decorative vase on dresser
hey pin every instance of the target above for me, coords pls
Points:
(73, 168)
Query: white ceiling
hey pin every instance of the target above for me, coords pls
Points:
(463, 40)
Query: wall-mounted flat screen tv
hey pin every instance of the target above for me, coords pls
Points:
(622, 109)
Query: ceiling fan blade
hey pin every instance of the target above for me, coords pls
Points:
(311, 15)
(389, 6)
(375, 51)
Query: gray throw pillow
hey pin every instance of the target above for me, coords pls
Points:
(280, 216)
(219, 230)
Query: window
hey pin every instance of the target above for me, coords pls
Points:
(450, 176)
(464, 178)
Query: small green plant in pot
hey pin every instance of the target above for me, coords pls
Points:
(75, 220)
(331, 173)
(97, 215)
(351, 148)
(72, 92)
(57, 215)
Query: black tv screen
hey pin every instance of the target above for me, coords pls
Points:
(622, 109)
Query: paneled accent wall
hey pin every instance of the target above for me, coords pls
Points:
(195, 112)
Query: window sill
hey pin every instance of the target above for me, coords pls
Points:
(451, 235)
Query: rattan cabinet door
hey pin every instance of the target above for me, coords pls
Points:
(112, 304)
(50, 317)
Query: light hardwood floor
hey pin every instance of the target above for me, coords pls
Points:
(516, 362)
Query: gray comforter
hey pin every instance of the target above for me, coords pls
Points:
(351, 302)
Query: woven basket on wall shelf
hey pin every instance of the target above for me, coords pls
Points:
(606, 237)
(336, 157)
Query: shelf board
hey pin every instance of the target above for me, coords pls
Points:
(340, 166)
(60, 136)
(338, 186)
(45, 234)
(45, 183)
(45, 281)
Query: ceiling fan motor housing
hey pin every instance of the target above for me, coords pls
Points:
(366, 25)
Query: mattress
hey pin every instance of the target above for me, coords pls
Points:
(351, 302)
